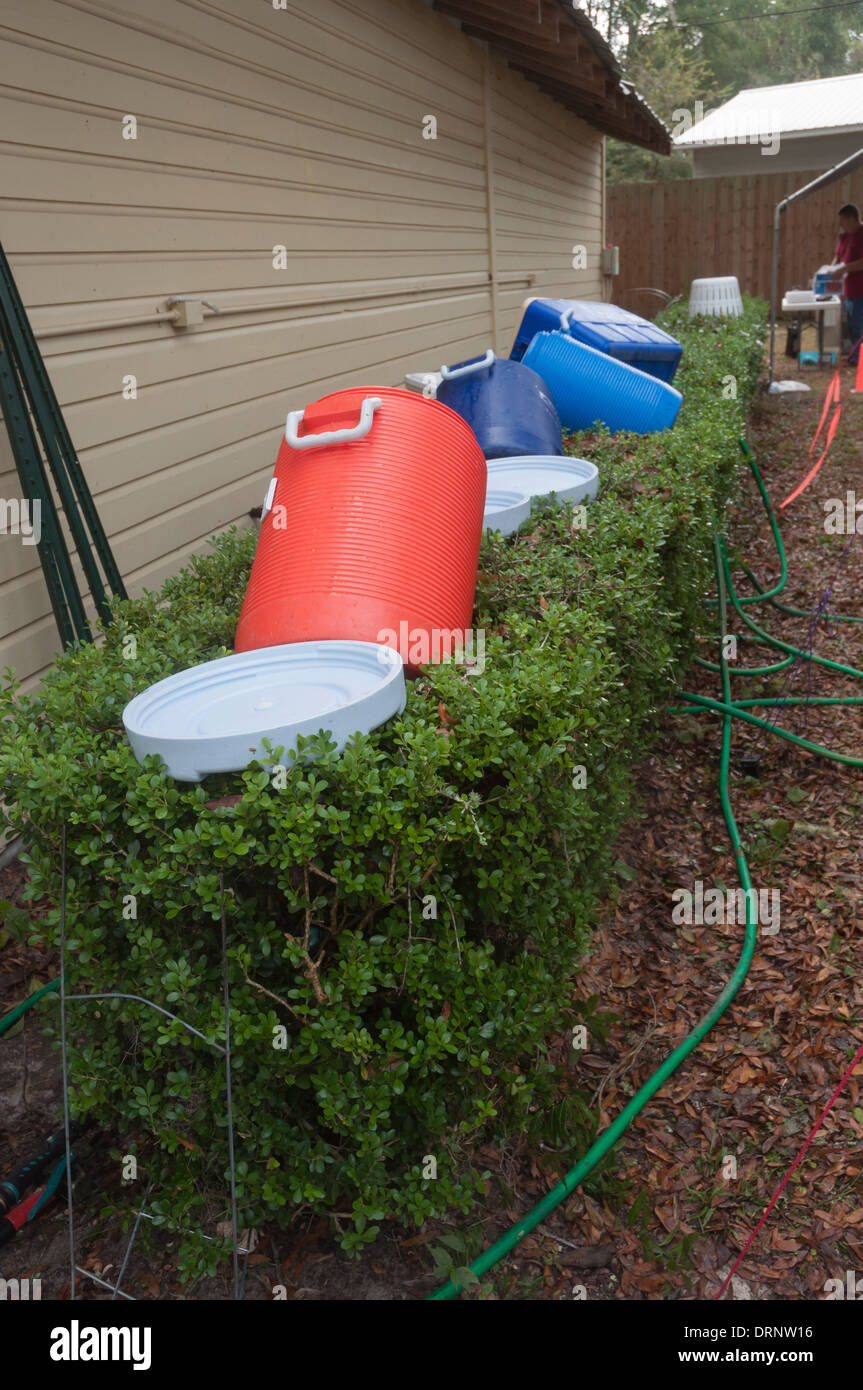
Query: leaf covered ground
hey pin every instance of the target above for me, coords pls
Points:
(666, 1221)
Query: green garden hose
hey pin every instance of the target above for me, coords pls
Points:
(609, 1138)
(777, 641)
(774, 526)
(729, 709)
(737, 710)
(783, 607)
(8, 1020)
(747, 670)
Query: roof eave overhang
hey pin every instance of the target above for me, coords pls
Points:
(558, 49)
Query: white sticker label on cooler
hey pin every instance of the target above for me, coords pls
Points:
(268, 500)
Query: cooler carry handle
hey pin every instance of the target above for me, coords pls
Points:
(313, 441)
(469, 367)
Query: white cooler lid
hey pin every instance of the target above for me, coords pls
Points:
(215, 716)
(538, 475)
(505, 509)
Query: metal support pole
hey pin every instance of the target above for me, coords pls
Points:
(65, 1064)
(491, 229)
(774, 294)
(227, 1001)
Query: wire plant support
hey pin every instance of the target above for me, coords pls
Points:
(225, 1050)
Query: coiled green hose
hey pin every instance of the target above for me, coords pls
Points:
(728, 709)
(8, 1020)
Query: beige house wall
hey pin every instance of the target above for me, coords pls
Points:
(258, 127)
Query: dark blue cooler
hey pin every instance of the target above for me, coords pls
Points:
(507, 405)
(611, 330)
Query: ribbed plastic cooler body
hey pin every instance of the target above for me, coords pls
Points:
(609, 329)
(587, 386)
(508, 407)
(369, 529)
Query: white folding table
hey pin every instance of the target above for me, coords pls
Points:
(828, 315)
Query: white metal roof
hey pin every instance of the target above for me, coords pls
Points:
(794, 109)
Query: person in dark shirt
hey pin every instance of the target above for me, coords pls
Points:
(848, 259)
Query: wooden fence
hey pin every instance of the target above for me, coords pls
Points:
(670, 233)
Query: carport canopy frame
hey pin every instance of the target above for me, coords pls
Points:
(829, 176)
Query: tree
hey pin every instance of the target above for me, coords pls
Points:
(763, 43)
(677, 52)
(671, 76)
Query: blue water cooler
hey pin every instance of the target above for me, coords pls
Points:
(507, 405)
(611, 330)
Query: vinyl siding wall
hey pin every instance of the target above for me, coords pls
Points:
(258, 127)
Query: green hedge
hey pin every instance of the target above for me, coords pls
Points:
(411, 912)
